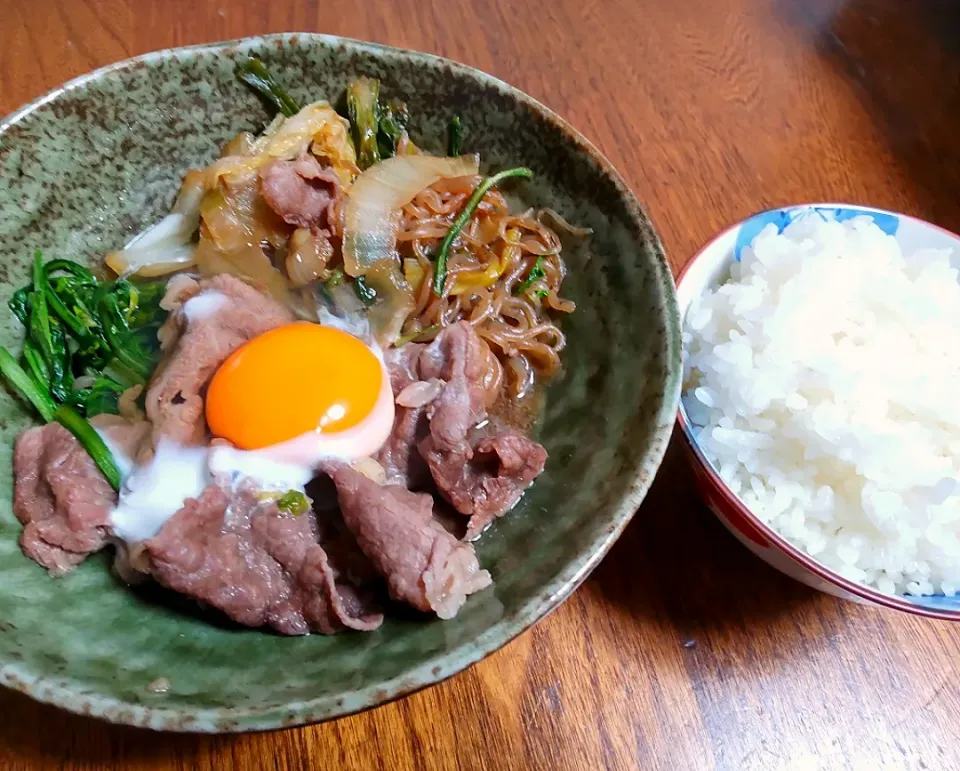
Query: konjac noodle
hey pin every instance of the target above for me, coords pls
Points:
(503, 277)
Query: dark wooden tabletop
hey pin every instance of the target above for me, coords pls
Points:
(682, 651)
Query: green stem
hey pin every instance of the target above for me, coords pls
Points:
(536, 273)
(35, 363)
(254, 73)
(92, 442)
(440, 269)
(25, 386)
(455, 137)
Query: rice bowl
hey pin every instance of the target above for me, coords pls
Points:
(815, 398)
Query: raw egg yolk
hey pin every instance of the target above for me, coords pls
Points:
(292, 380)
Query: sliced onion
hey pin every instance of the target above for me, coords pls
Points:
(307, 256)
(394, 304)
(168, 245)
(370, 224)
(420, 393)
(236, 223)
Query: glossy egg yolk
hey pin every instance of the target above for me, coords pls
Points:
(292, 380)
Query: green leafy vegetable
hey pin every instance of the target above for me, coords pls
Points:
(454, 137)
(363, 110)
(254, 73)
(393, 127)
(20, 305)
(440, 268)
(99, 398)
(36, 366)
(366, 293)
(293, 502)
(25, 386)
(92, 442)
(536, 273)
(78, 325)
(123, 344)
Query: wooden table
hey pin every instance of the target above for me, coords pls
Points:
(682, 651)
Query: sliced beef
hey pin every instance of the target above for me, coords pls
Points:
(302, 192)
(174, 401)
(399, 456)
(61, 498)
(486, 476)
(424, 565)
(482, 473)
(125, 434)
(239, 554)
(458, 357)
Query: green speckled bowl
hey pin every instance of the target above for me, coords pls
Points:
(89, 164)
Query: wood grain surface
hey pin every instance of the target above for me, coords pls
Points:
(682, 651)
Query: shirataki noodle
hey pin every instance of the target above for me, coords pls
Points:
(488, 278)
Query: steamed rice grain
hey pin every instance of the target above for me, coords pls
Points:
(821, 382)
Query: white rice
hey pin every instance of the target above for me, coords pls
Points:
(823, 383)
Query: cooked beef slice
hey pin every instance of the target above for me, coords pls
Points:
(487, 475)
(301, 192)
(399, 456)
(424, 565)
(60, 495)
(174, 400)
(481, 473)
(258, 565)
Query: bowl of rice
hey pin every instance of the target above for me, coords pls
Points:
(821, 348)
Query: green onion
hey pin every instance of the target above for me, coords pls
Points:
(363, 110)
(25, 386)
(393, 127)
(455, 137)
(254, 73)
(536, 273)
(440, 269)
(294, 502)
(366, 293)
(92, 442)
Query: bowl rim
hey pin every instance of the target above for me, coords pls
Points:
(448, 663)
(730, 499)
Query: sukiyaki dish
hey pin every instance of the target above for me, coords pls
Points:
(294, 398)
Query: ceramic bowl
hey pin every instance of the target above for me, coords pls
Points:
(709, 267)
(86, 166)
